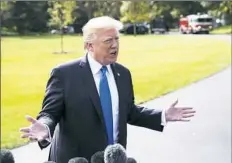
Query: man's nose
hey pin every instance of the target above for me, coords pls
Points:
(115, 43)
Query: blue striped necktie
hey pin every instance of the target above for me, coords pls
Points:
(105, 98)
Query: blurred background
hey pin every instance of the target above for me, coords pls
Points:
(143, 17)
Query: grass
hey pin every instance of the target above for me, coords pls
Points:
(223, 30)
(159, 64)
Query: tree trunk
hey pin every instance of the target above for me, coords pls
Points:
(134, 29)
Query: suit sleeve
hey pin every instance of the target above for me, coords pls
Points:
(142, 116)
(53, 104)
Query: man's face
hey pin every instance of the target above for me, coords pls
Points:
(105, 46)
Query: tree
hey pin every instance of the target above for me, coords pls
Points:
(25, 16)
(61, 15)
(222, 9)
(6, 14)
(104, 9)
(135, 12)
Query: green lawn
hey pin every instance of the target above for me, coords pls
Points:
(223, 30)
(159, 64)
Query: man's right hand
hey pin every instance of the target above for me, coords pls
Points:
(37, 131)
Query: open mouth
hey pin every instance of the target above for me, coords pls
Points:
(113, 53)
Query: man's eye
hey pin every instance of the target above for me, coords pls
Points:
(108, 41)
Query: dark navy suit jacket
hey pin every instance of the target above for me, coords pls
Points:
(72, 111)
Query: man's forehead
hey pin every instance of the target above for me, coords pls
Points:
(110, 36)
(108, 32)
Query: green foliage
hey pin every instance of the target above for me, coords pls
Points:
(221, 9)
(37, 16)
(133, 11)
(60, 13)
(25, 16)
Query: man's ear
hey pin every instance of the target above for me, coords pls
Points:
(89, 46)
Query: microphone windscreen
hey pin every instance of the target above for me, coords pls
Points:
(131, 160)
(98, 157)
(115, 154)
(78, 160)
(6, 156)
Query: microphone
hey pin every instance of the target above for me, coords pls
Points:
(115, 154)
(78, 160)
(6, 156)
(98, 157)
(131, 160)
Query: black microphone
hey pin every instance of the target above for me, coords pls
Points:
(98, 157)
(131, 160)
(6, 156)
(78, 160)
(115, 154)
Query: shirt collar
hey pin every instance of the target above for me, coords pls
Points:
(95, 65)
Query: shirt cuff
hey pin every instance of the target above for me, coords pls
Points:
(163, 118)
(49, 139)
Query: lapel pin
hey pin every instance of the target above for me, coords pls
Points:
(118, 74)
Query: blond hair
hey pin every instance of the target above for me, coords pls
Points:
(93, 25)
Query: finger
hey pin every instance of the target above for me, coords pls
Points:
(25, 129)
(188, 112)
(32, 138)
(188, 116)
(184, 120)
(174, 104)
(26, 135)
(184, 108)
(30, 119)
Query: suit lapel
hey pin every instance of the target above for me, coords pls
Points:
(90, 86)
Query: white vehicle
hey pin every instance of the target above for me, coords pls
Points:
(196, 24)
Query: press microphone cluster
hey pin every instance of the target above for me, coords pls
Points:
(112, 154)
(6, 156)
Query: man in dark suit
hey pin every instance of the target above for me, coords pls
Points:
(89, 101)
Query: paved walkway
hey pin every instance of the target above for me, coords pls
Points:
(206, 139)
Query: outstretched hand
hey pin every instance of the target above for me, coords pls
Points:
(36, 131)
(174, 113)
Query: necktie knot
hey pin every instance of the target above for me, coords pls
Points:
(103, 70)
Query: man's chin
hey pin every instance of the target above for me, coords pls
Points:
(112, 60)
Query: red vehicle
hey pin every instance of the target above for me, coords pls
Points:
(196, 24)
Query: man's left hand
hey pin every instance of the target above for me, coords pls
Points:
(174, 113)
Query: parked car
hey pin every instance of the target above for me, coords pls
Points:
(65, 30)
(159, 26)
(140, 29)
